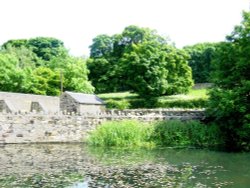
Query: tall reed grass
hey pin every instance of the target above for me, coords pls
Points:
(131, 133)
(189, 133)
(122, 133)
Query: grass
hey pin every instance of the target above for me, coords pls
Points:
(126, 133)
(196, 98)
(119, 95)
(174, 133)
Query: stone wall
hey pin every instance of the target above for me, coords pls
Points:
(40, 128)
(68, 104)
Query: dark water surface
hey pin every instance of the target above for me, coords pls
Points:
(79, 166)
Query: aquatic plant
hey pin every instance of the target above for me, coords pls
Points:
(130, 133)
(122, 133)
(189, 133)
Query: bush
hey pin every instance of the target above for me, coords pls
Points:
(143, 103)
(158, 103)
(121, 133)
(193, 103)
(117, 104)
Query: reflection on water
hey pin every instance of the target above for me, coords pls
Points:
(78, 166)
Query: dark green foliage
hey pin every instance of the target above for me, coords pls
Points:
(44, 47)
(201, 56)
(15, 43)
(138, 60)
(153, 70)
(117, 104)
(229, 105)
(192, 103)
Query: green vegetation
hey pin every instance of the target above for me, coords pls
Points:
(196, 98)
(229, 104)
(37, 66)
(190, 133)
(201, 56)
(138, 60)
(123, 133)
(59, 179)
(129, 133)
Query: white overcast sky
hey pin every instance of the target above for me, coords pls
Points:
(77, 22)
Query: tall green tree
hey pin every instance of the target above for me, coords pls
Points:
(155, 70)
(229, 105)
(138, 59)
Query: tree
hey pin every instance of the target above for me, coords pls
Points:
(229, 105)
(138, 60)
(34, 66)
(76, 76)
(10, 74)
(102, 46)
(45, 82)
(44, 47)
(25, 56)
(155, 70)
(201, 56)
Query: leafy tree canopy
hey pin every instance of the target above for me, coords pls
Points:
(35, 65)
(229, 103)
(140, 60)
(201, 56)
(44, 47)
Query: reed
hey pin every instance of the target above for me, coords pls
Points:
(126, 133)
(173, 133)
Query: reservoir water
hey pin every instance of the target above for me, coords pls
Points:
(79, 166)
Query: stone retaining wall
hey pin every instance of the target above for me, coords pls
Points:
(42, 128)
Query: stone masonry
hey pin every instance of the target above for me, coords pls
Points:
(44, 128)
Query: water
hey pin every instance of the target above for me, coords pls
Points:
(78, 166)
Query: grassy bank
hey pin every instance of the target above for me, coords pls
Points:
(131, 133)
(196, 98)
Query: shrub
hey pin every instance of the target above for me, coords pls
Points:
(117, 104)
(193, 103)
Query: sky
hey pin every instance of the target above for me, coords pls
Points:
(77, 22)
